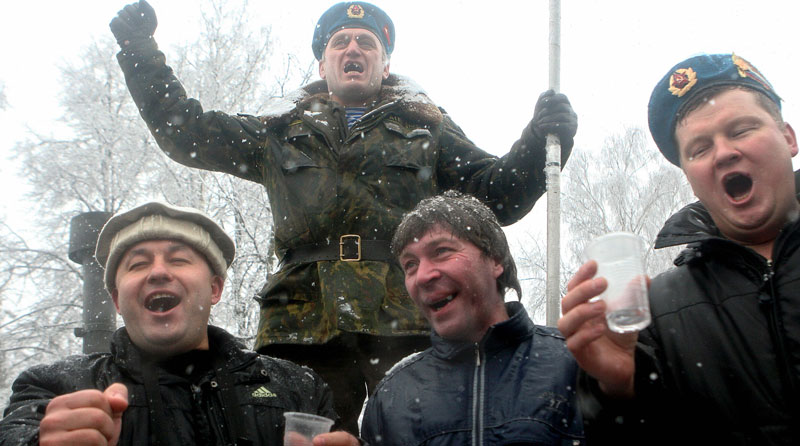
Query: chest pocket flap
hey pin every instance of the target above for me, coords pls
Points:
(419, 141)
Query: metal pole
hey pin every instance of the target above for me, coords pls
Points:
(553, 178)
(99, 315)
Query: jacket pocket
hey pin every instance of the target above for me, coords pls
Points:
(414, 150)
(406, 172)
(291, 283)
(291, 160)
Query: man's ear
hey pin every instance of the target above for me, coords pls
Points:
(115, 298)
(322, 69)
(217, 283)
(386, 70)
(791, 138)
(497, 269)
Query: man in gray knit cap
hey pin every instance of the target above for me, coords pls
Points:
(171, 378)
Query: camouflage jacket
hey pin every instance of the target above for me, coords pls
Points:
(325, 180)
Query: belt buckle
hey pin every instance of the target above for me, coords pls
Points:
(344, 239)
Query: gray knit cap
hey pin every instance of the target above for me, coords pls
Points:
(161, 221)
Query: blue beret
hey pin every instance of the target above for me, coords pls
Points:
(353, 15)
(690, 78)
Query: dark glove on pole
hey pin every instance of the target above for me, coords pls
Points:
(134, 22)
(554, 115)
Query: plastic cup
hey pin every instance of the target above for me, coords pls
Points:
(619, 261)
(301, 428)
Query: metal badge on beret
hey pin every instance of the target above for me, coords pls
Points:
(689, 78)
(355, 12)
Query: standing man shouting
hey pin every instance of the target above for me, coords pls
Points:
(342, 160)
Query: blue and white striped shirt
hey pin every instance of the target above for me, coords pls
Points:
(353, 114)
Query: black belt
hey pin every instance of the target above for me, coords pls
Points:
(351, 248)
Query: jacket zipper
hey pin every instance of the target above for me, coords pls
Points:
(477, 400)
(215, 416)
(767, 299)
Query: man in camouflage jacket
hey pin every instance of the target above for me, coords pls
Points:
(337, 191)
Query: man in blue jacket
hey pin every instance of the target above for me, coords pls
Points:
(491, 375)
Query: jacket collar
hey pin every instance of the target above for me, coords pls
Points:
(510, 331)
(693, 225)
(403, 95)
(128, 357)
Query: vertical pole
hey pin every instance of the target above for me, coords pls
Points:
(553, 179)
(99, 315)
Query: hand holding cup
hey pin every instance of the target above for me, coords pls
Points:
(301, 428)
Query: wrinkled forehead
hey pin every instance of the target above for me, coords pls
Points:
(732, 102)
(169, 246)
(434, 233)
(358, 33)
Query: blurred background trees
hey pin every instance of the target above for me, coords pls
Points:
(625, 186)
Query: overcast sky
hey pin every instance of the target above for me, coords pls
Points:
(484, 62)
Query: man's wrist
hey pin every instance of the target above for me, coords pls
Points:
(623, 390)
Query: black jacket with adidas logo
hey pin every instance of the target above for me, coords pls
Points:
(237, 397)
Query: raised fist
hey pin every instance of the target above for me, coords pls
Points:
(134, 22)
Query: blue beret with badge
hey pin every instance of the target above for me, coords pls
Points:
(353, 15)
(688, 79)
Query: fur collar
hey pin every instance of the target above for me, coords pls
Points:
(409, 101)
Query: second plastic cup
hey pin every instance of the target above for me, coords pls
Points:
(619, 260)
(301, 428)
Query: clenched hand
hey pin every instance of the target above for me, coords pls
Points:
(134, 22)
(85, 417)
(603, 354)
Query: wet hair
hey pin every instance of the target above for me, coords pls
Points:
(469, 220)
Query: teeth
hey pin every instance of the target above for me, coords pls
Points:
(162, 302)
(353, 66)
(442, 302)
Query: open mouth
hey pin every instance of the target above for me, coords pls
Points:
(737, 186)
(353, 66)
(161, 303)
(436, 306)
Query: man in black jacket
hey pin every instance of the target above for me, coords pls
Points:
(170, 379)
(720, 363)
(491, 375)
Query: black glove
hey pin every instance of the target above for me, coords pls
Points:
(554, 115)
(135, 22)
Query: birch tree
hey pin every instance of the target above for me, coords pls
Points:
(109, 162)
(626, 186)
(3, 99)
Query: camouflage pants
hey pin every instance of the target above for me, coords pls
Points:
(352, 365)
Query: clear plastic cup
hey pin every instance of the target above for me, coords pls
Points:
(619, 261)
(301, 428)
